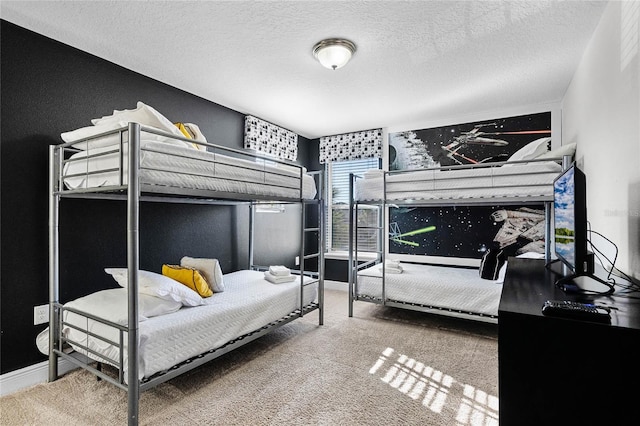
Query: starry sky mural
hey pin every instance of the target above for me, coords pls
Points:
(463, 231)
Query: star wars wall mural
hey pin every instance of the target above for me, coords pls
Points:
(468, 231)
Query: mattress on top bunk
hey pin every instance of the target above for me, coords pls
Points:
(248, 303)
(179, 166)
(447, 287)
(510, 180)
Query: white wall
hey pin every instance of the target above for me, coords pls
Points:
(601, 112)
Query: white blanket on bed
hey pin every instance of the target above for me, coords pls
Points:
(512, 180)
(248, 303)
(176, 166)
(459, 289)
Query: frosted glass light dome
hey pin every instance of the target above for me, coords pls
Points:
(334, 53)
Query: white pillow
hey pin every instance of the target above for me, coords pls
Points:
(158, 285)
(86, 132)
(143, 114)
(112, 305)
(152, 306)
(210, 268)
(568, 149)
(112, 140)
(531, 150)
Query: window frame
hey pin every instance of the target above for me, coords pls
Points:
(359, 168)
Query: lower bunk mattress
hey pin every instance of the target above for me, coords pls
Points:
(248, 303)
(448, 288)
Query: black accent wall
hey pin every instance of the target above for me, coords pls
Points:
(49, 88)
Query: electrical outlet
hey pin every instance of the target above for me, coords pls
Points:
(297, 260)
(40, 314)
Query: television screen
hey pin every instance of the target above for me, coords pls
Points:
(570, 219)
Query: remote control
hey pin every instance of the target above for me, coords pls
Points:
(569, 309)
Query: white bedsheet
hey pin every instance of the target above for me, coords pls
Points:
(512, 180)
(171, 165)
(248, 303)
(459, 289)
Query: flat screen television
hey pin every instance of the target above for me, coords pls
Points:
(570, 220)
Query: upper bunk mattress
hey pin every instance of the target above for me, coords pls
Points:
(508, 181)
(175, 166)
(449, 288)
(248, 303)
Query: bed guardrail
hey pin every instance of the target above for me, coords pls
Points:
(87, 166)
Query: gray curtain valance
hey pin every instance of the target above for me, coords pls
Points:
(269, 139)
(351, 146)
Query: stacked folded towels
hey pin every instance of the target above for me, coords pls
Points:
(373, 173)
(391, 266)
(279, 274)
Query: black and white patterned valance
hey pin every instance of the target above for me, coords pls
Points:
(270, 139)
(351, 146)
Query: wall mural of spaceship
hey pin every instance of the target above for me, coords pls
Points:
(467, 231)
(469, 143)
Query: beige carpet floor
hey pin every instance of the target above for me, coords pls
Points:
(384, 366)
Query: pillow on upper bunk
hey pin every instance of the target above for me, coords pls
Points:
(112, 139)
(159, 286)
(531, 150)
(568, 149)
(210, 268)
(188, 276)
(492, 264)
(143, 114)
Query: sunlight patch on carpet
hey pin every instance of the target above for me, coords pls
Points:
(435, 388)
(477, 408)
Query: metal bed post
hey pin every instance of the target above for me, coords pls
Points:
(384, 211)
(54, 277)
(133, 248)
(350, 268)
(252, 212)
(321, 230)
(547, 231)
(303, 228)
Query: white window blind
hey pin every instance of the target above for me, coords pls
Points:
(338, 206)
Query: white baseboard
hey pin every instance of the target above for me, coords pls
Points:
(30, 376)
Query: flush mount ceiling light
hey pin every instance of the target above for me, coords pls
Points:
(334, 53)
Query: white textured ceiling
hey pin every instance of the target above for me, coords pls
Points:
(417, 61)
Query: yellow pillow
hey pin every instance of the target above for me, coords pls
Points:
(187, 134)
(183, 130)
(190, 277)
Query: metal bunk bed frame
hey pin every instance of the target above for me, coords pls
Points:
(134, 192)
(382, 206)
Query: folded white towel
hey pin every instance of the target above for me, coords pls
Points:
(279, 270)
(373, 173)
(391, 270)
(391, 263)
(278, 279)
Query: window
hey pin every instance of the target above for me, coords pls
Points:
(338, 207)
